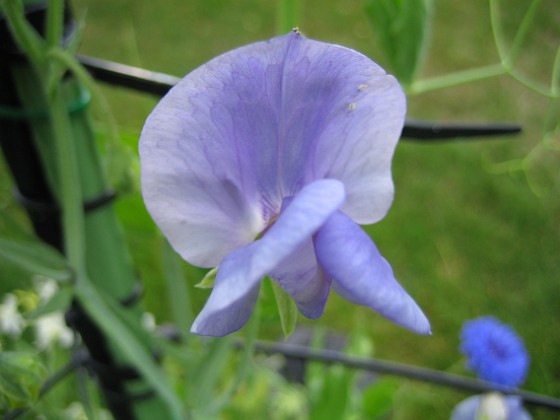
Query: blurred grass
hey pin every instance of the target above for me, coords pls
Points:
(464, 240)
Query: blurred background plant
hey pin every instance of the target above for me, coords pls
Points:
(474, 228)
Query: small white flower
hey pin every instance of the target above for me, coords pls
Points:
(45, 287)
(492, 407)
(11, 321)
(51, 328)
(148, 321)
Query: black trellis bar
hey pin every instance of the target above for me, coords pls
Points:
(398, 369)
(159, 84)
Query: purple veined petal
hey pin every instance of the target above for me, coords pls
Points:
(241, 271)
(239, 134)
(361, 275)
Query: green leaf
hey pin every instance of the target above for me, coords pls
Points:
(36, 257)
(402, 27)
(377, 399)
(333, 397)
(286, 308)
(60, 301)
(208, 281)
(128, 343)
(21, 377)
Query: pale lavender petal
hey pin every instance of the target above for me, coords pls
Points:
(238, 277)
(233, 297)
(361, 275)
(253, 126)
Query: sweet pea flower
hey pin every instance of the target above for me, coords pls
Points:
(263, 162)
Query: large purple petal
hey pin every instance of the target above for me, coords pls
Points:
(251, 127)
(238, 277)
(361, 275)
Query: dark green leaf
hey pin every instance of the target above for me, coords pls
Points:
(401, 26)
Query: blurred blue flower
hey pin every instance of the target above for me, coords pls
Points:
(494, 351)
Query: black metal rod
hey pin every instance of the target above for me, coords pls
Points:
(398, 369)
(128, 76)
(159, 84)
(424, 130)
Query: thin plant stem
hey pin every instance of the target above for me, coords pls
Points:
(555, 79)
(458, 78)
(523, 29)
(245, 362)
(507, 57)
(70, 189)
(25, 36)
(177, 291)
(533, 85)
(55, 18)
(503, 68)
(496, 31)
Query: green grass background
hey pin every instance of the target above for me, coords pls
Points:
(464, 239)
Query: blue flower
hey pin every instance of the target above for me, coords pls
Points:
(494, 351)
(263, 162)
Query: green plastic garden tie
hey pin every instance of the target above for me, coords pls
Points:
(24, 114)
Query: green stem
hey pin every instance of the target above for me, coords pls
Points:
(68, 180)
(555, 80)
(68, 61)
(25, 36)
(497, 31)
(55, 18)
(523, 30)
(288, 15)
(177, 290)
(458, 78)
(530, 84)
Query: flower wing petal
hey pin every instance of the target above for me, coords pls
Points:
(361, 275)
(238, 277)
